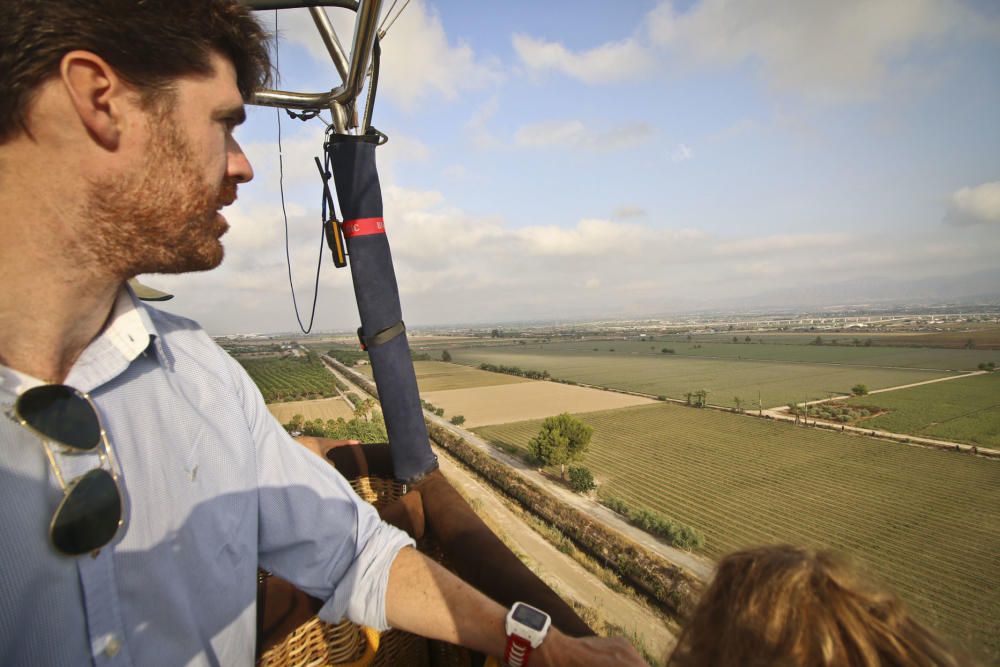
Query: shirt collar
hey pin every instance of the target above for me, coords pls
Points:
(128, 333)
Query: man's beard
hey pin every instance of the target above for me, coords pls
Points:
(161, 219)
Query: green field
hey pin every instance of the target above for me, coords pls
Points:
(849, 355)
(924, 521)
(440, 376)
(290, 378)
(964, 410)
(776, 383)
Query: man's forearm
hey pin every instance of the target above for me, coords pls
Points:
(428, 600)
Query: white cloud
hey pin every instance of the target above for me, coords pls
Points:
(588, 238)
(681, 153)
(608, 63)
(627, 211)
(575, 134)
(418, 60)
(784, 243)
(477, 127)
(975, 205)
(827, 50)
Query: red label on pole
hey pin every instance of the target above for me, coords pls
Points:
(362, 227)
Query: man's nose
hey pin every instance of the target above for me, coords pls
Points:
(238, 167)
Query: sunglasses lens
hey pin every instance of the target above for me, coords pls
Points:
(62, 414)
(89, 514)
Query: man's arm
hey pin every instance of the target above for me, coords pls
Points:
(428, 600)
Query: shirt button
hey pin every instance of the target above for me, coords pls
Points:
(112, 647)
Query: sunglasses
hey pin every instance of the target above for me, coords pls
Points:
(90, 512)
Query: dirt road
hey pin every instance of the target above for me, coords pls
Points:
(562, 573)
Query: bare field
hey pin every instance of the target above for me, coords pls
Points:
(323, 408)
(530, 399)
(434, 376)
(770, 383)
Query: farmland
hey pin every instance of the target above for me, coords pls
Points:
(434, 376)
(525, 400)
(323, 408)
(963, 410)
(289, 379)
(804, 352)
(776, 383)
(924, 521)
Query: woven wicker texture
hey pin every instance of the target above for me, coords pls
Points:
(346, 644)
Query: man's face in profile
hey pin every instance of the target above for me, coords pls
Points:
(162, 215)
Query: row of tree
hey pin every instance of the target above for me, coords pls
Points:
(514, 370)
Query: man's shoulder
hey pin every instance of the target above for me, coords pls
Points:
(180, 335)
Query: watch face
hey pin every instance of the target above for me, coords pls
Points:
(530, 617)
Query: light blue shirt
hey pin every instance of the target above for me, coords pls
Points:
(213, 488)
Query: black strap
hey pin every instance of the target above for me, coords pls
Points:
(382, 337)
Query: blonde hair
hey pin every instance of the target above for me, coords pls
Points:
(787, 606)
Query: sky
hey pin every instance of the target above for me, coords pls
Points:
(582, 160)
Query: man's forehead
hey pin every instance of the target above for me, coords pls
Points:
(219, 86)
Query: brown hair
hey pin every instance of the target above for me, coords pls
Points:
(148, 42)
(787, 606)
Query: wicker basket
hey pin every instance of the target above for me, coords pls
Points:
(315, 643)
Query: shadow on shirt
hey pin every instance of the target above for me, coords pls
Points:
(188, 598)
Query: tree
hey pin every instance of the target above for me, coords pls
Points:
(581, 479)
(739, 403)
(818, 340)
(747, 340)
(859, 390)
(458, 420)
(296, 424)
(363, 409)
(445, 355)
(561, 440)
(687, 397)
(736, 339)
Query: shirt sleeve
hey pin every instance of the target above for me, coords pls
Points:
(314, 530)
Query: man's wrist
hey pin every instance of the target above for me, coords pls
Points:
(553, 652)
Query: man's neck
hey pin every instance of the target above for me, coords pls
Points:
(52, 305)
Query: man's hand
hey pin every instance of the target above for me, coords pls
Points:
(428, 600)
(559, 650)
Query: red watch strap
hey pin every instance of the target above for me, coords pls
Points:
(517, 652)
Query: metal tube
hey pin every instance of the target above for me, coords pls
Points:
(329, 36)
(364, 37)
(339, 118)
(260, 5)
(291, 100)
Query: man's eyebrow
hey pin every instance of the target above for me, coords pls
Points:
(237, 114)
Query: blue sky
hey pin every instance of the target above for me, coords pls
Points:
(584, 159)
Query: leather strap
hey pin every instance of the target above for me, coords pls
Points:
(382, 337)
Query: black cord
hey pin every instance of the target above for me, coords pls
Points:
(284, 213)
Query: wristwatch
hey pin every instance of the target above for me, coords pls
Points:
(526, 628)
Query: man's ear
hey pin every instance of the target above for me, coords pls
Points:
(97, 94)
